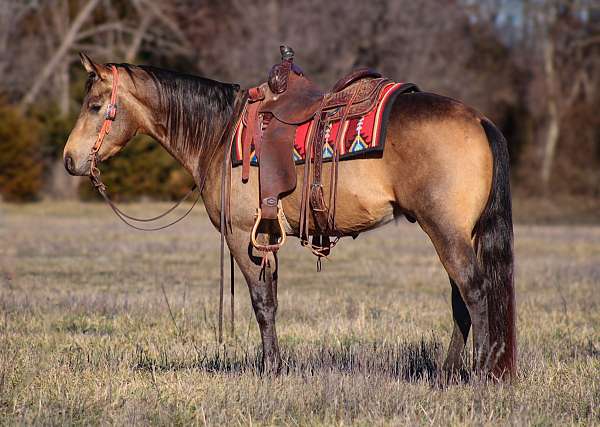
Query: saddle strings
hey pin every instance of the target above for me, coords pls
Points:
(307, 180)
(317, 250)
(333, 181)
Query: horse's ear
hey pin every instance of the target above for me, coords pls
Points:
(90, 66)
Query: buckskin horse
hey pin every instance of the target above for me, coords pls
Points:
(444, 166)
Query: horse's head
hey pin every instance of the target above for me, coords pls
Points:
(92, 116)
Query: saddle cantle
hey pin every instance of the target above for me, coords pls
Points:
(274, 112)
(354, 76)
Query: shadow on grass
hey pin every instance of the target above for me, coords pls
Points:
(408, 361)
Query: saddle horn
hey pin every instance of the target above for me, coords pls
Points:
(287, 53)
(279, 74)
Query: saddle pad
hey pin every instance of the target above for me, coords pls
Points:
(361, 135)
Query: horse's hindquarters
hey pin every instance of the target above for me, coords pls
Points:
(440, 160)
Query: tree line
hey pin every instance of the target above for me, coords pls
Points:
(532, 66)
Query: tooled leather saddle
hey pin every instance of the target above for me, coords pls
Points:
(274, 111)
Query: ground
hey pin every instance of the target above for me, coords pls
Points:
(101, 324)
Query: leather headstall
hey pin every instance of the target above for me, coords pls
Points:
(109, 116)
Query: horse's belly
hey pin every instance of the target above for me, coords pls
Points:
(365, 198)
(360, 209)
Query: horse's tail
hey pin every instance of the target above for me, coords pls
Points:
(494, 246)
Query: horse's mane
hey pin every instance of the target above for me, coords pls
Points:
(196, 109)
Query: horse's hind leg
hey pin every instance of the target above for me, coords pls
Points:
(457, 254)
(262, 284)
(454, 362)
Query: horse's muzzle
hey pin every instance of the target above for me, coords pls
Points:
(72, 167)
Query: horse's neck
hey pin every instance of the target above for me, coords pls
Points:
(156, 130)
(153, 123)
(204, 164)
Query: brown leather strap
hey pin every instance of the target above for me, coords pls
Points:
(248, 138)
(336, 159)
(317, 203)
(253, 129)
(306, 182)
(111, 112)
(232, 293)
(320, 210)
(127, 218)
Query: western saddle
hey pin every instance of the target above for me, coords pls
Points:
(274, 111)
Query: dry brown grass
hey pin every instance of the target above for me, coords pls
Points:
(86, 336)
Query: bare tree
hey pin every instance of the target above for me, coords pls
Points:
(533, 61)
(11, 14)
(39, 41)
(55, 57)
(569, 44)
(403, 39)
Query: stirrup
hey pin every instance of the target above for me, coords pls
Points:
(269, 247)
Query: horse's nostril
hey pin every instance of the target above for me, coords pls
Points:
(69, 164)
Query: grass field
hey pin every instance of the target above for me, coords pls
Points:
(86, 335)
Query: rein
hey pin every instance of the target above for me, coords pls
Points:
(109, 116)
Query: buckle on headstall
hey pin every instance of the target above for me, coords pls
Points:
(111, 112)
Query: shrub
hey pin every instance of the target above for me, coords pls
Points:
(20, 156)
(55, 129)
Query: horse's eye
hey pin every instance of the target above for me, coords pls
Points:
(95, 107)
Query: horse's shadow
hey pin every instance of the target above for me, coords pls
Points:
(405, 361)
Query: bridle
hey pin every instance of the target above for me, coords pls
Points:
(109, 117)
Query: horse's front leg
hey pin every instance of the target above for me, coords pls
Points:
(262, 283)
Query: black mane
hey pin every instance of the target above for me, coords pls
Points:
(196, 109)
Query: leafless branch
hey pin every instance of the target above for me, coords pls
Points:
(57, 56)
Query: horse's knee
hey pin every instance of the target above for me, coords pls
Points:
(263, 302)
(264, 317)
(264, 299)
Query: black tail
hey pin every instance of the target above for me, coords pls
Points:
(494, 245)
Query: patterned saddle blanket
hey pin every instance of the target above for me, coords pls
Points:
(362, 137)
